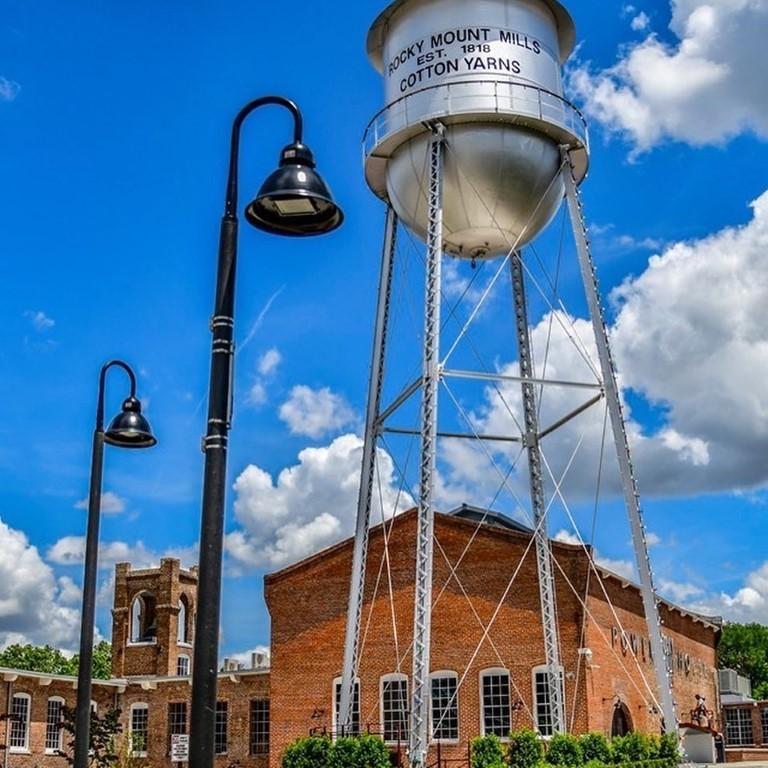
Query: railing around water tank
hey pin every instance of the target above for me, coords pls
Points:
(476, 97)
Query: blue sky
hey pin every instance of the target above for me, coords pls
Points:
(114, 125)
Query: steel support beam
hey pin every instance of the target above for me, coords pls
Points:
(367, 475)
(628, 481)
(538, 502)
(422, 619)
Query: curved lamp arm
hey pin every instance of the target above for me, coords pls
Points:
(102, 386)
(230, 207)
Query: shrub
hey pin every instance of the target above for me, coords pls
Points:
(594, 764)
(564, 749)
(669, 749)
(343, 752)
(632, 748)
(487, 752)
(525, 750)
(595, 748)
(372, 752)
(309, 752)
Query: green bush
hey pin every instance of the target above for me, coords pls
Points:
(309, 752)
(632, 748)
(487, 752)
(669, 749)
(594, 764)
(343, 753)
(564, 749)
(372, 752)
(595, 748)
(525, 750)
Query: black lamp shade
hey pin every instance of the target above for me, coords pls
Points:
(129, 429)
(294, 200)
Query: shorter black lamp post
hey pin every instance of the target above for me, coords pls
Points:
(129, 429)
(295, 201)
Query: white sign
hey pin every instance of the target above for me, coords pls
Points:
(179, 748)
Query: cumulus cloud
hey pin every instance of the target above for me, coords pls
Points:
(315, 412)
(34, 607)
(640, 22)
(39, 320)
(70, 550)
(269, 362)
(9, 89)
(308, 507)
(704, 89)
(623, 568)
(111, 503)
(266, 367)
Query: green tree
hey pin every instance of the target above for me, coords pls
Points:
(104, 747)
(744, 647)
(44, 658)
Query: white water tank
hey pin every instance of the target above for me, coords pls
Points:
(490, 72)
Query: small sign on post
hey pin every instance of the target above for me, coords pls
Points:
(179, 748)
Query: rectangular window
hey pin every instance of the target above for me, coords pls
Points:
(738, 727)
(445, 708)
(394, 709)
(177, 720)
(355, 707)
(19, 738)
(259, 727)
(139, 729)
(543, 703)
(764, 721)
(182, 666)
(496, 701)
(220, 729)
(53, 732)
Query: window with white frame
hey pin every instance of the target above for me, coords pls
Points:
(182, 666)
(495, 703)
(542, 700)
(177, 720)
(139, 729)
(220, 728)
(53, 731)
(355, 726)
(19, 736)
(445, 706)
(738, 727)
(764, 723)
(394, 707)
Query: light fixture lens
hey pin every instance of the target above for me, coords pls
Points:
(294, 206)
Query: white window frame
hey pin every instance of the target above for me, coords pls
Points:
(60, 734)
(25, 748)
(138, 705)
(383, 680)
(189, 665)
(535, 709)
(337, 681)
(440, 674)
(742, 725)
(494, 672)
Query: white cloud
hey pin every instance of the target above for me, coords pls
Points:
(652, 539)
(258, 393)
(310, 506)
(34, 607)
(269, 362)
(640, 22)
(111, 503)
(679, 592)
(315, 412)
(245, 657)
(70, 550)
(9, 89)
(624, 568)
(69, 592)
(705, 89)
(39, 320)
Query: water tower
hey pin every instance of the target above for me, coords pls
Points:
(474, 152)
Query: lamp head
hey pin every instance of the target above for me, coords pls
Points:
(294, 200)
(129, 429)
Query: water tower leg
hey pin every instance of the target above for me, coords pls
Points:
(420, 698)
(629, 484)
(367, 474)
(538, 503)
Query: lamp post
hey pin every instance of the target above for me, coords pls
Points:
(129, 429)
(295, 201)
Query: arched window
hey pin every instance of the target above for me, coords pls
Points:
(143, 618)
(53, 731)
(19, 736)
(182, 628)
(621, 724)
(495, 710)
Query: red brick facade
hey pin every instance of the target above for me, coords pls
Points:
(483, 620)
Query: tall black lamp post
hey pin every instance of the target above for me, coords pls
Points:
(129, 429)
(294, 201)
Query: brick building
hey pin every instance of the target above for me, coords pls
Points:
(487, 651)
